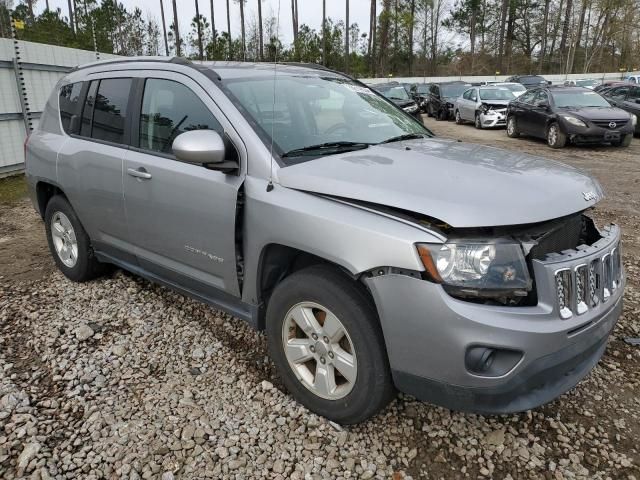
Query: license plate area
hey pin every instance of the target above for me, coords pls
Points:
(612, 136)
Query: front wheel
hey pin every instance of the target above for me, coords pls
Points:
(325, 339)
(512, 127)
(478, 121)
(625, 141)
(555, 137)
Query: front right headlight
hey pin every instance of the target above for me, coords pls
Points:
(477, 269)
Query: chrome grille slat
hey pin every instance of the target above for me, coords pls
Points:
(587, 285)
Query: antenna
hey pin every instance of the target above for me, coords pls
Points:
(273, 107)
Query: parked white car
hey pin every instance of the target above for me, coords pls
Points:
(485, 106)
(589, 83)
(632, 78)
(516, 88)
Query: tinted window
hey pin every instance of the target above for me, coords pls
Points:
(541, 97)
(634, 94)
(69, 104)
(169, 109)
(496, 94)
(454, 90)
(619, 93)
(473, 96)
(87, 111)
(110, 110)
(532, 80)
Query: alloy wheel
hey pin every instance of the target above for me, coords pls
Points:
(319, 350)
(64, 239)
(552, 137)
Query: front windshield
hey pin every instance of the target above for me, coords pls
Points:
(515, 87)
(496, 94)
(311, 110)
(395, 93)
(579, 99)
(454, 90)
(586, 83)
(424, 88)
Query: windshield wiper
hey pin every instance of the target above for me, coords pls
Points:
(406, 136)
(326, 148)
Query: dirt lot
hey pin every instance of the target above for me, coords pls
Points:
(118, 378)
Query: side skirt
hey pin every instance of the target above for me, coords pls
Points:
(218, 299)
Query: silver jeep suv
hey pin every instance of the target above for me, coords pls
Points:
(374, 255)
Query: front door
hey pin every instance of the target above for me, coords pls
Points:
(182, 217)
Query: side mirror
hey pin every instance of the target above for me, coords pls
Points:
(203, 147)
(549, 82)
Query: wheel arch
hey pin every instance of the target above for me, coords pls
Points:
(45, 191)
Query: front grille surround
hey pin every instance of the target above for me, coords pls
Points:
(582, 281)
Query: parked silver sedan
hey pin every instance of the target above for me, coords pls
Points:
(485, 106)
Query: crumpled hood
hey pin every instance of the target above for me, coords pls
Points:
(462, 184)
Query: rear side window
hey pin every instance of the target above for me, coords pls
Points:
(69, 104)
(169, 109)
(87, 110)
(110, 110)
(634, 94)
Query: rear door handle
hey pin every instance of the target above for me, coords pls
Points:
(139, 173)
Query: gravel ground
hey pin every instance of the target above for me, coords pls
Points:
(118, 378)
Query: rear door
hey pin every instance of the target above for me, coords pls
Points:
(520, 108)
(182, 217)
(91, 160)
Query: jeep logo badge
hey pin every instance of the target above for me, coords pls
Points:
(613, 124)
(588, 196)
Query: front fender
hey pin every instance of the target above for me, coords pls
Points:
(358, 240)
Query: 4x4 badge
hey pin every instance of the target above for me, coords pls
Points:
(588, 196)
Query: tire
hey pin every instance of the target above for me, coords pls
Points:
(477, 122)
(512, 127)
(440, 115)
(555, 137)
(69, 243)
(624, 141)
(429, 110)
(459, 120)
(323, 292)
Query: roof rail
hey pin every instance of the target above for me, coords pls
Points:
(113, 61)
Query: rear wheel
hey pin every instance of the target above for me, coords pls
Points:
(325, 339)
(69, 244)
(429, 110)
(625, 141)
(555, 137)
(458, 118)
(512, 127)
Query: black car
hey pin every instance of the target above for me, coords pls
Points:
(574, 114)
(419, 92)
(441, 98)
(529, 81)
(398, 94)
(626, 97)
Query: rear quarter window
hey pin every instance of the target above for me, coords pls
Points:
(110, 110)
(69, 102)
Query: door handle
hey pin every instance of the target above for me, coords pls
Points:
(139, 173)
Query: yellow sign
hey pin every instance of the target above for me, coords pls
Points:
(18, 24)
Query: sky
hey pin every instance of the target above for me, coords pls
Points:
(310, 12)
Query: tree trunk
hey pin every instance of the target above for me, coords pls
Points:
(30, 9)
(545, 28)
(503, 22)
(164, 29)
(199, 26)
(324, 32)
(576, 43)
(565, 31)
(294, 24)
(472, 32)
(244, 50)
(384, 36)
(176, 30)
(261, 46)
(372, 34)
(346, 38)
(71, 22)
(213, 24)
(510, 32)
(436, 10)
(412, 11)
(395, 36)
(228, 30)
(556, 27)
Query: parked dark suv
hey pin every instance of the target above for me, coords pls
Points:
(441, 98)
(529, 81)
(569, 114)
(626, 97)
(399, 94)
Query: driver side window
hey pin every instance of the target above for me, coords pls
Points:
(169, 109)
(474, 95)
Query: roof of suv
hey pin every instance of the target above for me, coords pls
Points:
(223, 69)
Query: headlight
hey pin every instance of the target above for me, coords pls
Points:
(574, 121)
(411, 109)
(479, 269)
(634, 120)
